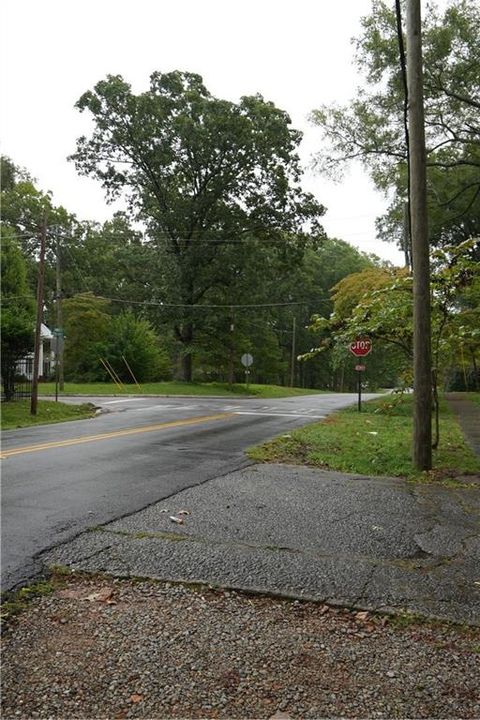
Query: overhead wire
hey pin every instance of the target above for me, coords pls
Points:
(161, 304)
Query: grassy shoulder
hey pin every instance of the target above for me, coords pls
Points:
(16, 414)
(374, 442)
(474, 397)
(178, 388)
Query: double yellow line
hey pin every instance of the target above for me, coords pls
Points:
(115, 434)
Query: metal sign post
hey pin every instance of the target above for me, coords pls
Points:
(246, 361)
(360, 347)
(58, 349)
(360, 369)
(57, 373)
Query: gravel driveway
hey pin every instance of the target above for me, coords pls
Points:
(104, 648)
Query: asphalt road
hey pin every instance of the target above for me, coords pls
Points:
(59, 480)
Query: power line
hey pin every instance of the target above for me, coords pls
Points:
(202, 307)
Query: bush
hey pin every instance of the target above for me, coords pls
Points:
(133, 340)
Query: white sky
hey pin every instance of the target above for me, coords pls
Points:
(297, 54)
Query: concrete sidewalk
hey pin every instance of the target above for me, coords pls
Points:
(468, 414)
(370, 543)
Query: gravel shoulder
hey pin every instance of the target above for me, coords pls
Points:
(110, 648)
(147, 624)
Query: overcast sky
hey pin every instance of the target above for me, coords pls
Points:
(296, 54)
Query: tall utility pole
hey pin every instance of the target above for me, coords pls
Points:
(38, 324)
(231, 360)
(406, 235)
(422, 362)
(292, 362)
(59, 335)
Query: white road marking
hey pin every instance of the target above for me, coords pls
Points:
(114, 402)
(271, 414)
(166, 407)
(232, 407)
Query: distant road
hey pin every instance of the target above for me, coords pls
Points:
(58, 480)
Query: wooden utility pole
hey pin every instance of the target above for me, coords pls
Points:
(406, 235)
(292, 362)
(422, 362)
(38, 324)
(59, 337)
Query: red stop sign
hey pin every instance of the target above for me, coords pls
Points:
(360, 347)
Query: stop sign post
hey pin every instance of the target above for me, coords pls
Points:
(246, 361)
(360, 347)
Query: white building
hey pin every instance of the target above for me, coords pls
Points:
(46, 359)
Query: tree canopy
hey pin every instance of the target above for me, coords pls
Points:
(18, 308)
(377, 302)
(372, 127)
(212, 180)
(109, 268)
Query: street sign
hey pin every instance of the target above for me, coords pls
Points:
(360, 368)
(246, 360)
(360, 347)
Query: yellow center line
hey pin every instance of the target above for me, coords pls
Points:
(115, 434)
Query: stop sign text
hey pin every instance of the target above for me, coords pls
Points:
(360, 347)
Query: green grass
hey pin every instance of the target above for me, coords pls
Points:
(177, 388)
(374, 442)
(16, 414)
(16, 601)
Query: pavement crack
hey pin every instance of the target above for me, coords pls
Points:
(365, 585)
(173, 537)
(179, 537)
(241, 465)
(464, 541)
(79, 558)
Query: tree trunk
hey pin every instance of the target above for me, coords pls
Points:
(436, 405)
(187, 367)
(187, 362)
(475, 370)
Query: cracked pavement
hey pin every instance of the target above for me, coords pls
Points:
(372, 543)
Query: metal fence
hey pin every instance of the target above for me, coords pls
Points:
(17, 385)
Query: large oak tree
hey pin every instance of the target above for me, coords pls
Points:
(213, 181)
